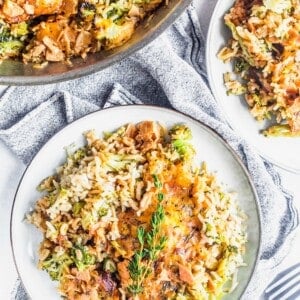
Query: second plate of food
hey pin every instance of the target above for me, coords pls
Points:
(135, 201)
(254, 58)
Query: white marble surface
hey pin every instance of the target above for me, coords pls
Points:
(11, 170)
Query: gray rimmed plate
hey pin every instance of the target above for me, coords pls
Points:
(210, 148)
(283, 152)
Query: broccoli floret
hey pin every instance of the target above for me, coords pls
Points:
(240, 65)
(11, 48)
(4, 33)
(107, 135)
(282, 130)
(112, 32)
(87, 10)
(10, 44)
(117, 162)
(277, 6)
(116, 11)
(180, 137)
(19, 30)
(81, 257)
(77, 208)
(88, 218)
(79, 154)
(56, 264)
(47, 185)
(103, 211)
(236, 36)
(181, 132)
(109, 265)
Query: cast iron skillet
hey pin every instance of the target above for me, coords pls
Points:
(17, 73)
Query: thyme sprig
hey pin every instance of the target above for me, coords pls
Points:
(151, 243)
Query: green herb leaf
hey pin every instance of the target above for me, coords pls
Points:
(151, 243)
(160, 197)
(157, 182)
(141, 235)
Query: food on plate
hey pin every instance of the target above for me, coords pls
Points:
(132, 216)
(265, 50)
(57, 30)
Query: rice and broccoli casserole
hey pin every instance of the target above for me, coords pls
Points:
(55, 30)
(265, 49)
(132, 216)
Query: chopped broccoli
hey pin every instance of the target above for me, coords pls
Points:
(63, 193)
(56, 264)
(240, 65)
(4, 33)
(181, 132)
(75, 155)
(10, 44)
(19, 29)
(116, 11)
(51, 198)
(277, 6)
(232, 248)
(257, 99)
(109, 265)
(81, 257)
(113, 31)
(89, 218)
(180, 137)
(77, 208)
(114, 14)
(237, 37)
(79, 154)
(11, 48)
(103, 211)
(47, 185)
(117, 162)
(107, 135)
(87, 10)
(283, 130)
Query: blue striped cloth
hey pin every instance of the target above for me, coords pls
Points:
(169, 72)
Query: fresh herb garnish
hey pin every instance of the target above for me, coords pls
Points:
(157, 182)
(160, 197)
(151, 243)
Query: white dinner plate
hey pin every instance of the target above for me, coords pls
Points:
(210, 147)
(284, 152)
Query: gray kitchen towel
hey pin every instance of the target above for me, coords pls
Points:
(169, 72)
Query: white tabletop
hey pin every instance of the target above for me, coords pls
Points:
(11, 170)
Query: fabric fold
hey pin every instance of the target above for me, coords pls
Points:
(36, 127)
